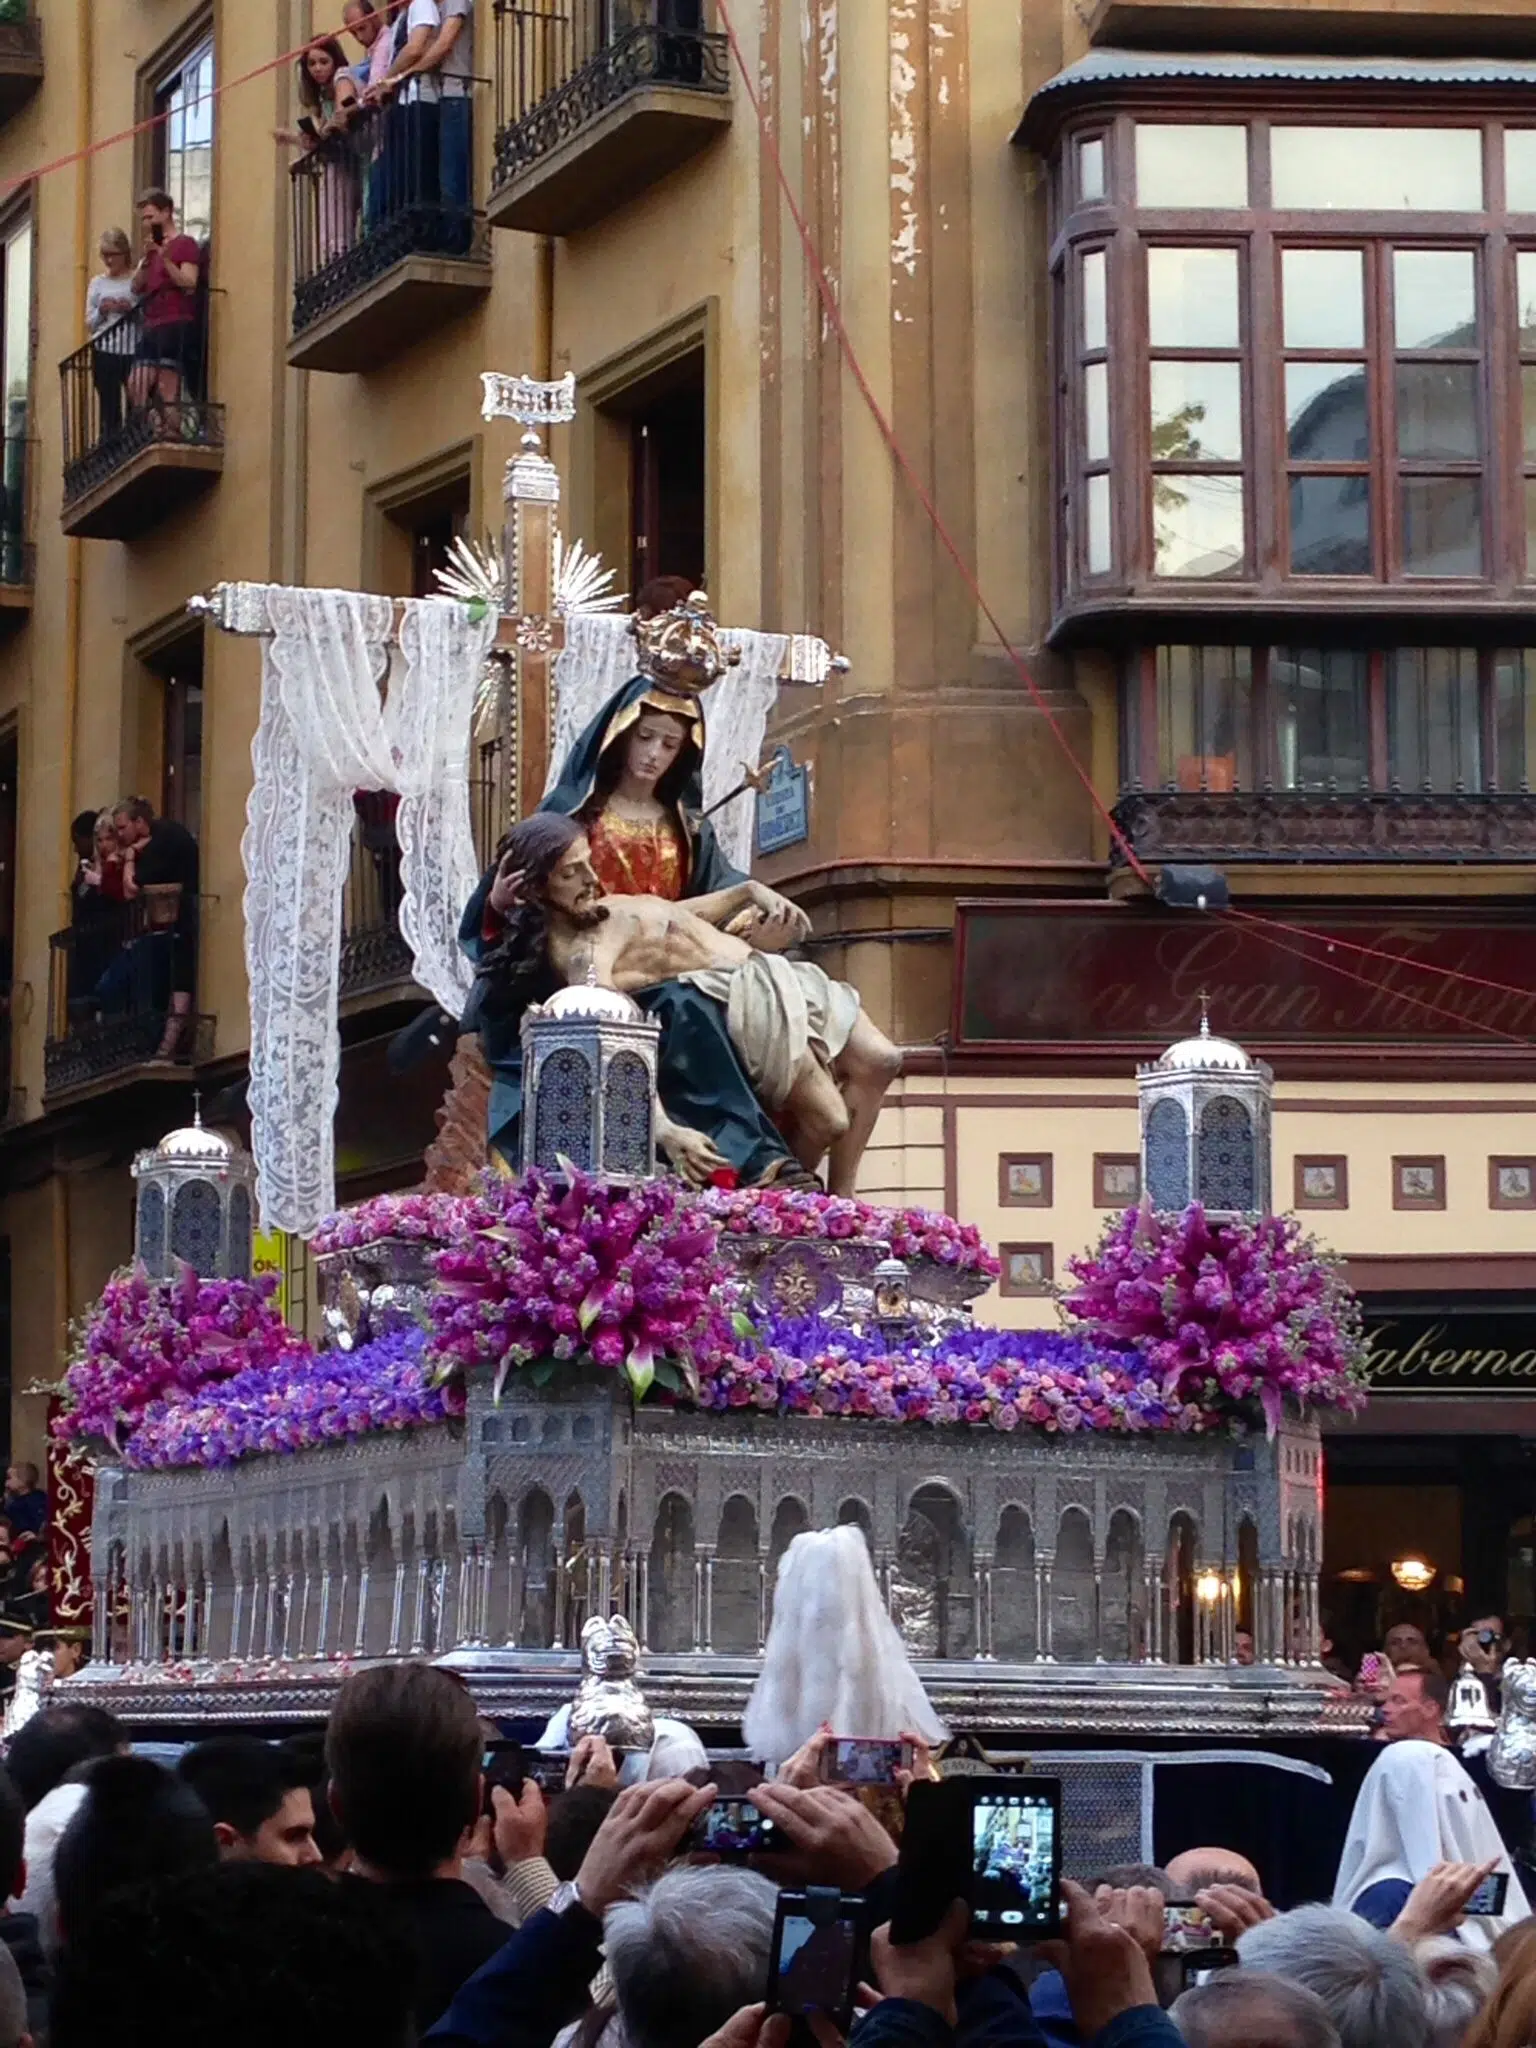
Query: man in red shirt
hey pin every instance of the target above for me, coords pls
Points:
(165, 285)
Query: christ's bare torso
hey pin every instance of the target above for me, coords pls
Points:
(641, 941)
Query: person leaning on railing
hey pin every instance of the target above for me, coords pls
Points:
(166, 285)
(328, 92)
(109, 299)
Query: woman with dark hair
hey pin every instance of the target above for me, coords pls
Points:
(328, 93)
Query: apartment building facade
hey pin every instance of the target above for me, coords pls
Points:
(1201, 332)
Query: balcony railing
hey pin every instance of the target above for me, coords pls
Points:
(141, 434)
(21, 54)
(386, 240)
(595, 103)
(110, 1001)
(374, 955)
(1290, 826)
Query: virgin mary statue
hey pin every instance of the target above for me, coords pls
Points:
(634, 779)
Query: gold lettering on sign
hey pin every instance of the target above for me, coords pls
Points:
(1390, 1362)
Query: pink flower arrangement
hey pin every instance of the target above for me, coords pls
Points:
(1224, 1314)
(431, 1217)
(553, 1271)
(155, 1340)
(794, 1212)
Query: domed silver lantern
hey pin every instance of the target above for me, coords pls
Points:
(1205, 1115)
(589, 1084)
(195, 1204)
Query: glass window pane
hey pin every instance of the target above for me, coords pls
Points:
(1330, 526)
(1098, 548)
(1434, 736)
(1520, 170)
(1203, 721)
(1525, 287)
(1198, 525)
(1528, 398)
(1095, 302)
(1192, 298)
(1530, 529)
(1197, 412)
(1191, 164)
(1324, 295)
(1322, 734)
(1442, 525)
(1096, 412)
(1437, 412)
(1326, 415)
(1377, 170)
(1434, 298)
(1514, 717)
(1090, 168)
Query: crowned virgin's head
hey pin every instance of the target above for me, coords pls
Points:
(655, 755)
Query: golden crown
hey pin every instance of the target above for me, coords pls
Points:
(681, 650)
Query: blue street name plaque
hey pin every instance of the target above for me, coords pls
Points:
(784, 807)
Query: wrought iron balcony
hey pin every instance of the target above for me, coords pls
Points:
(1236, 827)
(141, 435)
(374, 955)
(21, 55)
(595, 105)
(387, 245)
(111, 1012)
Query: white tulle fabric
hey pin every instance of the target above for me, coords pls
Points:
(833, 1654)
(327, 729)
(599, 658)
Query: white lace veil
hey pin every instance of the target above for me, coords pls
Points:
(833, 1654)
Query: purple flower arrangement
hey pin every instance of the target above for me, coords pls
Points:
(794, 1212)
(148, 1341)
(307, 1399)
(1224, 1314)
(432, 1217)
(1008, 1379)
(551, 1271)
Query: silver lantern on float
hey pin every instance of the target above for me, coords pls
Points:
(1205, 1122)
(195, 1204)
(589, 1084)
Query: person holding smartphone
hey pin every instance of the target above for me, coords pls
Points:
(165, 283)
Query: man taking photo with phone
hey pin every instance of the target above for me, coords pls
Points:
(165, 284)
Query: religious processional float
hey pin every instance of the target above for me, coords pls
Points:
(586, 1388)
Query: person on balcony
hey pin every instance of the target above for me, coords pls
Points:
(109, 299)
(330, 164)
(452, 56)
(158, 971)
(411, 97)
(166, 285)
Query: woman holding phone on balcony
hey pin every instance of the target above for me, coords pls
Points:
(108, 299)
(328, 93)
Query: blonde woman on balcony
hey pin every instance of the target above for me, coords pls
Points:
(109, 297)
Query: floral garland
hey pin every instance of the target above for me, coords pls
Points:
(910, 1233)
(147, 1341)
(549, 1271)
(1009, 1379)
(307, 1399)
(435, 1218)
(1224, 1314)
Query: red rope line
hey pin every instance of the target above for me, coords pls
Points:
(1503, 988)
(828, 297)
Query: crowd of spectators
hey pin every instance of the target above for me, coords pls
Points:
(367, 1889)
(387, 139)
(133, 921)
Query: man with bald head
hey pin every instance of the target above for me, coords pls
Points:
(1195, 1870)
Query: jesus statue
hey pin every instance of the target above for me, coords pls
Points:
(812, 1057)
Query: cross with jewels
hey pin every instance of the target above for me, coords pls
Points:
(534, 609)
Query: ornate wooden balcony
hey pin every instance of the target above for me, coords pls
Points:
(1239, 827)
(587, 120)
(21, 55)
(383, 251)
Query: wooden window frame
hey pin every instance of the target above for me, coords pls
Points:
(1496, 1198)
(1150, 765)
(1340, 1164)
(1102, 1198)
(1005, 1284)
(150, 82)
(1400, 1200)
(1007, 1199)
(1260, 232)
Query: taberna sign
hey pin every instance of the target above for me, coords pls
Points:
(1479, 1352)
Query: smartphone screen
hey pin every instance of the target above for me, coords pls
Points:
(504, 1764)
(1016, 1860)
(733, 1828)
(1188, 1928)
(849, 1760)
(815, 1965)
(1490, 1895)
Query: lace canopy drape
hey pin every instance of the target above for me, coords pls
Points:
(328, 729)
(599, 658)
